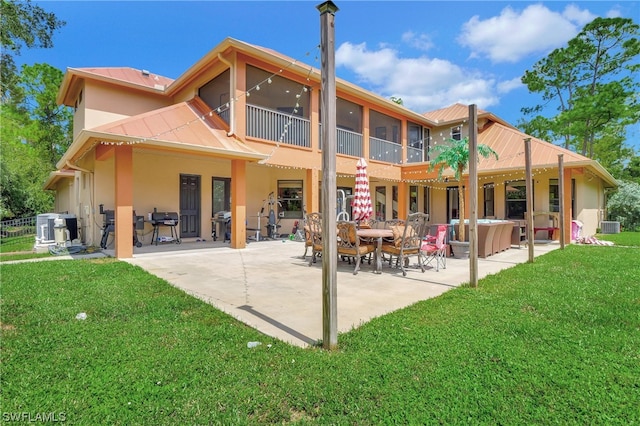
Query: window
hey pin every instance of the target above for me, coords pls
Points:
(426, 134)
(277, 93)
(554, 196)
(215, 94)
(290, 198)
(394, 202)
(516, 196)
(456, 133)
(348, 116)
(220, 195)
(413, 199)
(417, 143)
(385, 127)
(381, 203)
(425, 200)
(488, 199)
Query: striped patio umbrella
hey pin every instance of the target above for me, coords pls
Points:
(361, 204)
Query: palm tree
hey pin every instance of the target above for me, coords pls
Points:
(455, 155)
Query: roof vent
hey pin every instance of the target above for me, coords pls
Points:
(145, 73)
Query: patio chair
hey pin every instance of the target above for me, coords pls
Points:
(349, 244)
(435, 250)
(314, 222)
(407, 241)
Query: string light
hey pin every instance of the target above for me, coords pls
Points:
(391, 158)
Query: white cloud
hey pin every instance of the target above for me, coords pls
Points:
(423, 83)
(581, 17)
(513, 35)
(419, 41)
(507, 86)
(614, 13)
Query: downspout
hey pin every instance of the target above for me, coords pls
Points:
(232, 85)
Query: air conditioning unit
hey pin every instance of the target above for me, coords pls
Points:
(609, 227)
(45, 228)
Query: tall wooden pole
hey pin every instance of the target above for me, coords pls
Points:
(561, 197)
(529, 188)
(329, 189)
(473, 196)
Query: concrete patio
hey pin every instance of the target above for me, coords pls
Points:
(270, 287)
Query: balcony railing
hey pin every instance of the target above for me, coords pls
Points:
(414, 155)
(383, 150)
(225, 114)
(272, 125)
(347, 142)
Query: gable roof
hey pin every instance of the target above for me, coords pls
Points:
(508, 143)
(186, 125)
(123, 76)
(456, 113)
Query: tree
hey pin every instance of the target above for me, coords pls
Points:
(592, 84)
(50, 123)
(23, 25)
(35, 134)
(455, 155)
(624, 205)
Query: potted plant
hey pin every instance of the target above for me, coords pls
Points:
(455, 155)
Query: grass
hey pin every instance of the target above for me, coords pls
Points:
(627, 238)
(556, 341)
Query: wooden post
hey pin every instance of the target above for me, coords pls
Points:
(473, 196)
(561, 197)
(329, 189)
(529, 187)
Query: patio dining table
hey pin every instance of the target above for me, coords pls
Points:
(378, 235)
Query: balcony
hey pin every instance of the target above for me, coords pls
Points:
(273, 125)
(382, 150)
(414, 155)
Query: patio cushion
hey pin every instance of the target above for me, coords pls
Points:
(398, 233)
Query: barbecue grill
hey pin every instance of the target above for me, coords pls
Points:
(221, 220)
(168, 219)
(109, 225)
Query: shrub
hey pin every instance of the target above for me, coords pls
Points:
(624, 205)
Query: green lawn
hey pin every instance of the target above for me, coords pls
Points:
(630, 239)
(553, 342)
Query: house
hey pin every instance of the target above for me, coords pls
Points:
(243, 123)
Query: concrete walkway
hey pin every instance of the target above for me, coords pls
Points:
(270, 287)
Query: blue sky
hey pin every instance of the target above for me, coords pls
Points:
(429, 53)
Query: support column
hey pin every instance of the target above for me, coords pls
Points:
(124, 201)
(403, 199)
(314, 120)
(311, 203)
(365, 133)
(238, 203)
